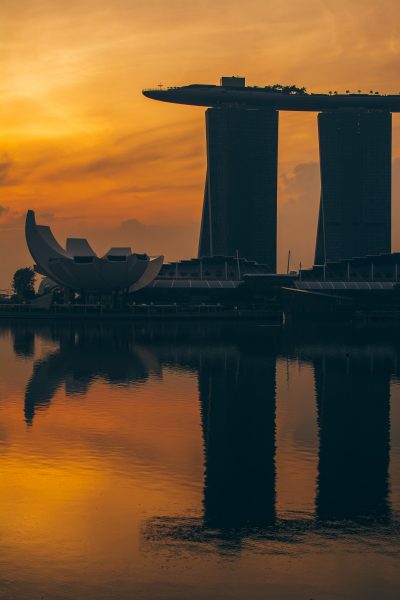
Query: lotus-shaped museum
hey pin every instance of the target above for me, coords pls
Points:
(78, 267)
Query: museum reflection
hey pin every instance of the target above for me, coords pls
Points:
(83, 356)
(237, 408)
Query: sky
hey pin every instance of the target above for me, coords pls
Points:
(81, 145)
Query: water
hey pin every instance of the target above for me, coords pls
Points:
(198, 461)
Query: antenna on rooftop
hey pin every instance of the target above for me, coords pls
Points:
(238, 264)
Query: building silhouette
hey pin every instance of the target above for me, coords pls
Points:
(239, 210)
(355, 160)
(77, 267)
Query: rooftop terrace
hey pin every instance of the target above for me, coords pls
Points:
(233, 91)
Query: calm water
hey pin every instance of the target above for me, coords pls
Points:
(192, 462)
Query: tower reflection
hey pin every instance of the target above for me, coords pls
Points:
(237, 399)
(353, 402)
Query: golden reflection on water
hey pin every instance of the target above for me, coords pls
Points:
(163, 463)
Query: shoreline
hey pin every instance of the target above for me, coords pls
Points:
(147, 314)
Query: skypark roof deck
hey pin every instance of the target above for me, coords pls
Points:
(288, 98)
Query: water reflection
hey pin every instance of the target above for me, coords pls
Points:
(236, 374)
(23, 336)
(237, 400)
(353, 398)
(84, 356)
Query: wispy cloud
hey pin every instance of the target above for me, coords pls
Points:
(7, 176)
(299, 192)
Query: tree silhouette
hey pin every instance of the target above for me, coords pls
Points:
(23, 283)
(286, 89)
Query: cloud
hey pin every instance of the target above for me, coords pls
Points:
(171, 240)
(161, 187)
(11, 219)
(299, 193)
(106, 166)
(128, 155)
(45, 216)
(6, 174)
(301, 183)
(12, 247)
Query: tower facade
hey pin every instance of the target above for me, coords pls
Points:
(355, 160)
(240, 198)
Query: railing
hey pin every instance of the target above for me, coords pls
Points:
(161, 89)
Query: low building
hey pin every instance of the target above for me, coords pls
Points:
(77, 267)
(211, 268)
(215, 279)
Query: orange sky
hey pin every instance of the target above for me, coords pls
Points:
(83, 147)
